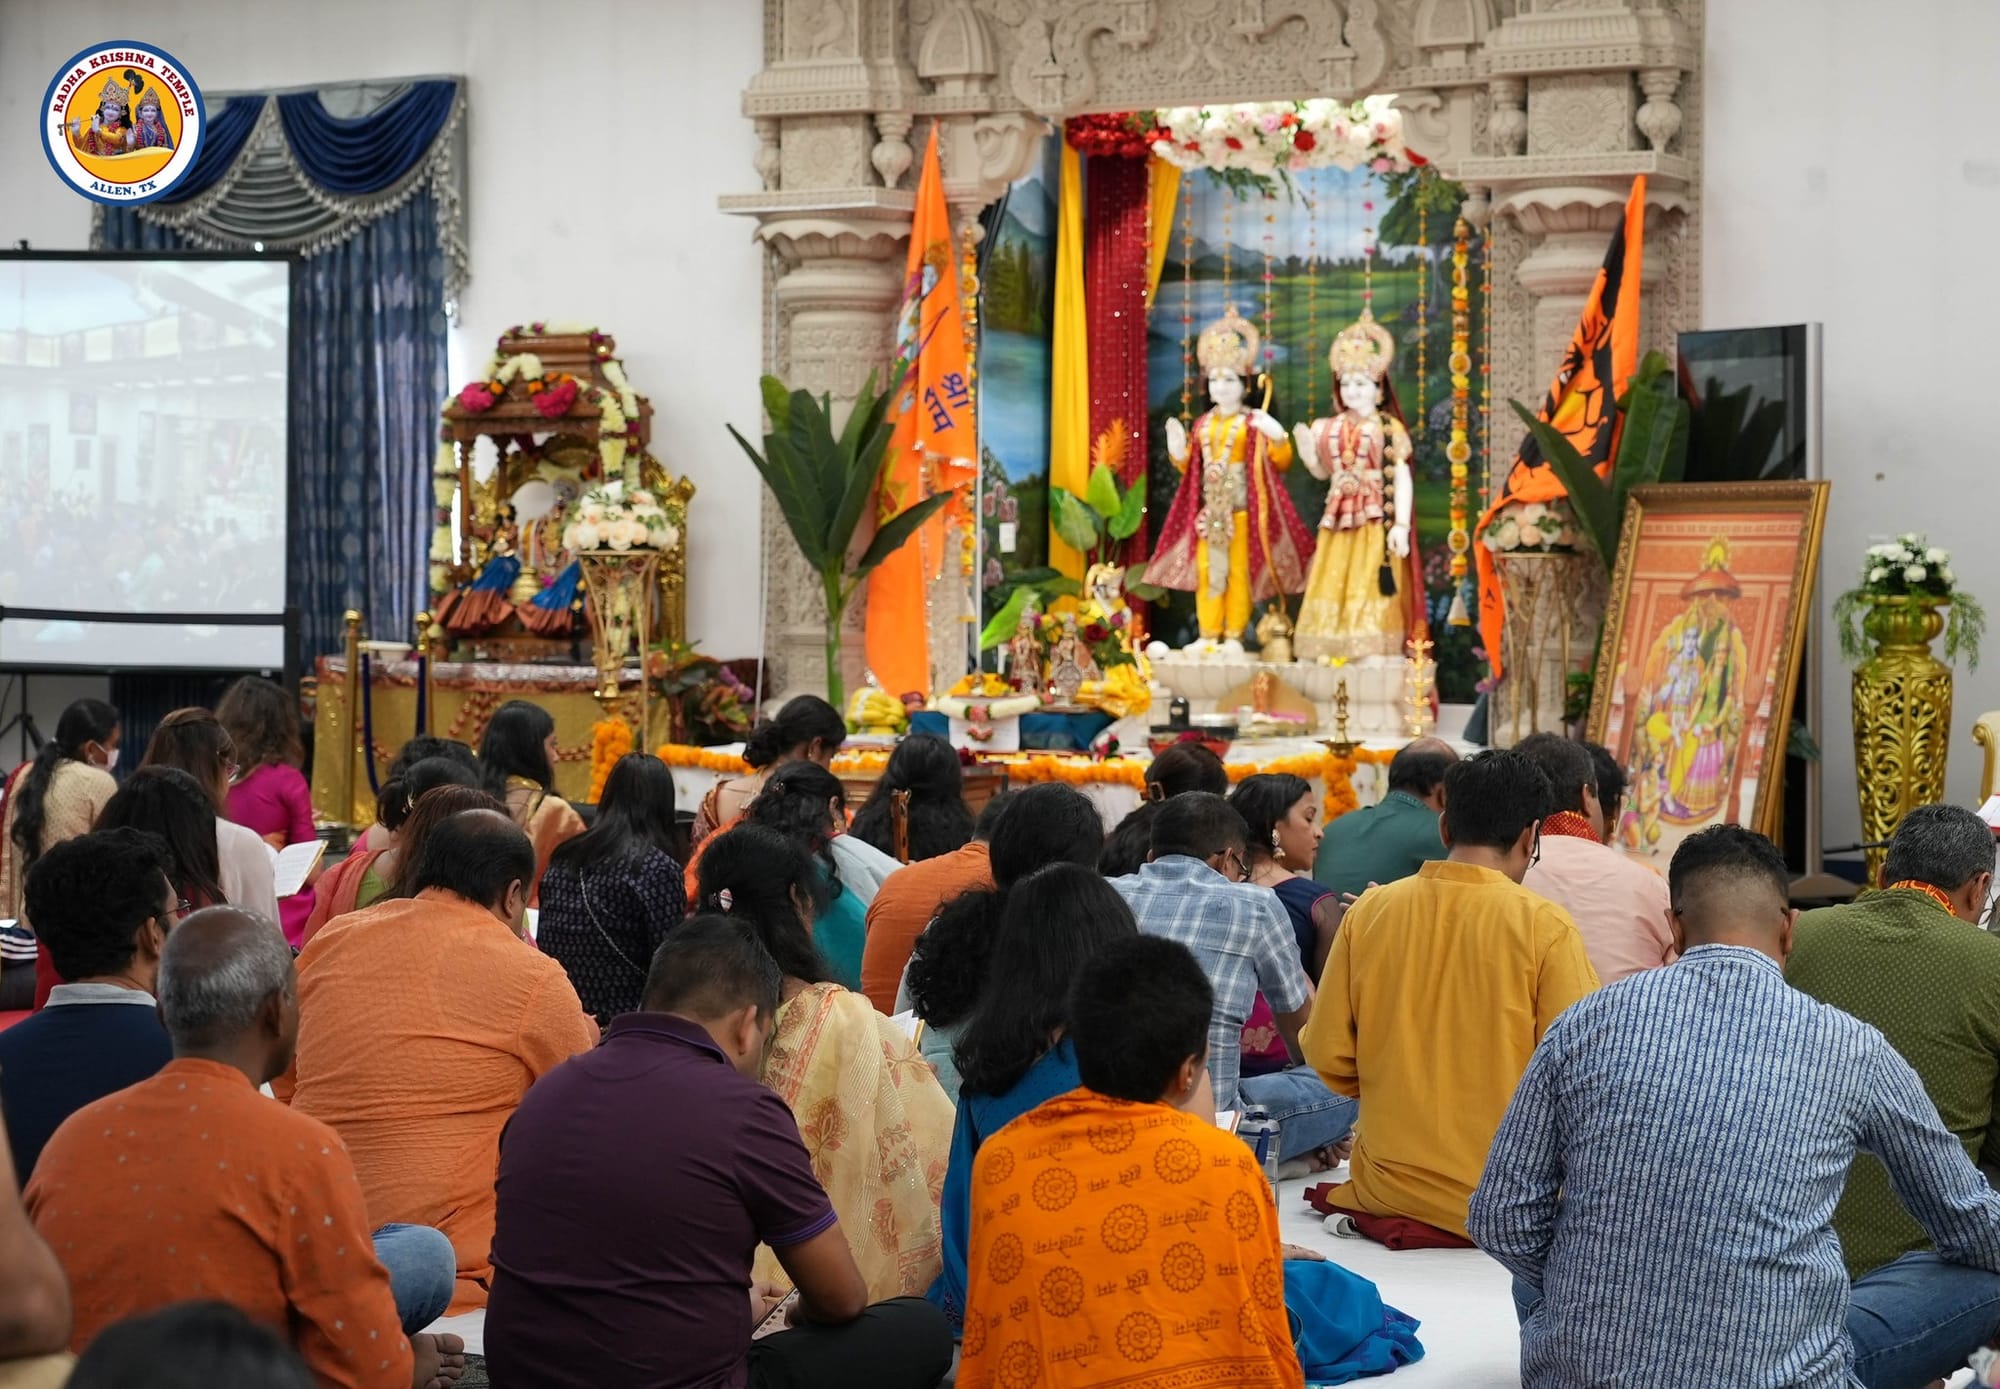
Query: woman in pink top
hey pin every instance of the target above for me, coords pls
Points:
(269, 793)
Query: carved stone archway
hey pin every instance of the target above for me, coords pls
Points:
(1543, 109)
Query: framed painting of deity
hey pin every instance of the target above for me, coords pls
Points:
(1699, 658)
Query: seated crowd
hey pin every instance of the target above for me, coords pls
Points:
(812, 1098)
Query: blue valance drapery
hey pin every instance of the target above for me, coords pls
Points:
(364, 182)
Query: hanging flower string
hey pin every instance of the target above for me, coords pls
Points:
(1261, 143)
(1458, 452)
(1423, 319)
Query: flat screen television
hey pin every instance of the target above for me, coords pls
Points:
(145, 467)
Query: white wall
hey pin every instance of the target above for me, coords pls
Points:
(601, 134)
(1853, 177)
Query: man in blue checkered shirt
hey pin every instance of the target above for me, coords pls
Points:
(1193, 890)
(1663, 1185)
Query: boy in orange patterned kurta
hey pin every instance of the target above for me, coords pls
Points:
(1118, 1235)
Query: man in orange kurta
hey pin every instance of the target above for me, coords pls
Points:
(423, 1022)
(190, 1185)
(905, 904)
(1119, 1236)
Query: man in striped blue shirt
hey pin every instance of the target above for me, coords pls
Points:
(1663, 1184)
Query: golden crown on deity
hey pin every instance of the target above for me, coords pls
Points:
(113, 93)
(1228, 344)
(1363, 346)
(151, 94)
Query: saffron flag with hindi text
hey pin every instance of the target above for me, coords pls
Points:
(1581, 400)
(934, 446)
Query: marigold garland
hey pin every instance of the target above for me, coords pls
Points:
(610, 739)
(1459, 451)
(1030, 768)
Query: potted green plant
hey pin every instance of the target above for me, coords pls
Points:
(824, 482)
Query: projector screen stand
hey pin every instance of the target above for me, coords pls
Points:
(31, 736)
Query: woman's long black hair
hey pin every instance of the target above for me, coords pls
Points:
(927, 767)
(1056, 919)
(513, 746)
(635, 813)
(795, 802)
(170, 803)
(84, 721)
(760, 876)
(1046, 824)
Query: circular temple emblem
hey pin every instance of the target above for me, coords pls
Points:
(121, 122)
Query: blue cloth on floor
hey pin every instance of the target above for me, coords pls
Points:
(1346, 1331)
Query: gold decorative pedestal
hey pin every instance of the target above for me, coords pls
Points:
(1544, 635)
(623, 587)
(1902, 718)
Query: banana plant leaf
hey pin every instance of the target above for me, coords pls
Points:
(1003, 623)
(1076, 524)
(1102, 492)
(895, 531)
(1589, 494)
(1131, 510)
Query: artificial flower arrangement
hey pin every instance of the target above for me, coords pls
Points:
(608, 518)
(1546, 528)
(1101, 628)
(706, 702)
(555, 393)
(610, 739)
(1910, 570)
(1271, 139)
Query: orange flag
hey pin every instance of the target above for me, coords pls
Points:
(934, 447)
(1582, 400)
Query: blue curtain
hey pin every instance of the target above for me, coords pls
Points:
(368, 331)
(367, 154)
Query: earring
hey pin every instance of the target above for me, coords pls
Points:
(1277, 849)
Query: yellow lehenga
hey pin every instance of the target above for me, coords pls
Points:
(1345, 613)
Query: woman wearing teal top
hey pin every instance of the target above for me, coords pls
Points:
(1011, 1053)
(805, 802)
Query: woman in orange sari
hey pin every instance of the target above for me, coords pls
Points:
(874, 1119)
(1119, 1236)
(518, 759)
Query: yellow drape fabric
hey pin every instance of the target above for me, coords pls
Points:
(1163, 188)
(1069, 393)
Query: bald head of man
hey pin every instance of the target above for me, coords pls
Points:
(1418, 770)
(228, 992)
(1730, 886)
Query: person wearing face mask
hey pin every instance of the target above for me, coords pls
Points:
(53, 798)
(1232, 536)
(1365, 580)
(426, 1019)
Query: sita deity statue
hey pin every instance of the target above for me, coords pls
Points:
(1231, 536)
(1364, 575)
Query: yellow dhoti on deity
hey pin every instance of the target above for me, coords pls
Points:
(1345, 612)
(1226, 613)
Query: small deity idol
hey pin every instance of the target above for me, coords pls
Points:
(109, 131)
(1350, 609)
(149, 127)
(1232, 536)
(1024, 657)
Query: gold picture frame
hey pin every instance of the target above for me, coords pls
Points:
(1699, 656)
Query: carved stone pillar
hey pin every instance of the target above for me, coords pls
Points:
(839, 277)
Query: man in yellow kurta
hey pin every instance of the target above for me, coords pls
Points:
(1435, 994)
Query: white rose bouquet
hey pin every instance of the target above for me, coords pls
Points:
(1910, 569)
(610, 518)
(1533, 528)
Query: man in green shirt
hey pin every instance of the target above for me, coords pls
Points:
(1912, 961)
(1395, 837)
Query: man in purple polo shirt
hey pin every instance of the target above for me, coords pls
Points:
(635, 1184)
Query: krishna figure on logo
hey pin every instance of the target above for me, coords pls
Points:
(111, 130)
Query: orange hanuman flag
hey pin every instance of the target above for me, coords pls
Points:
(1582, 400)
(935, 441)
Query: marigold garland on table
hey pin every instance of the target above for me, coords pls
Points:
(1030, 768)
(610, 739)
